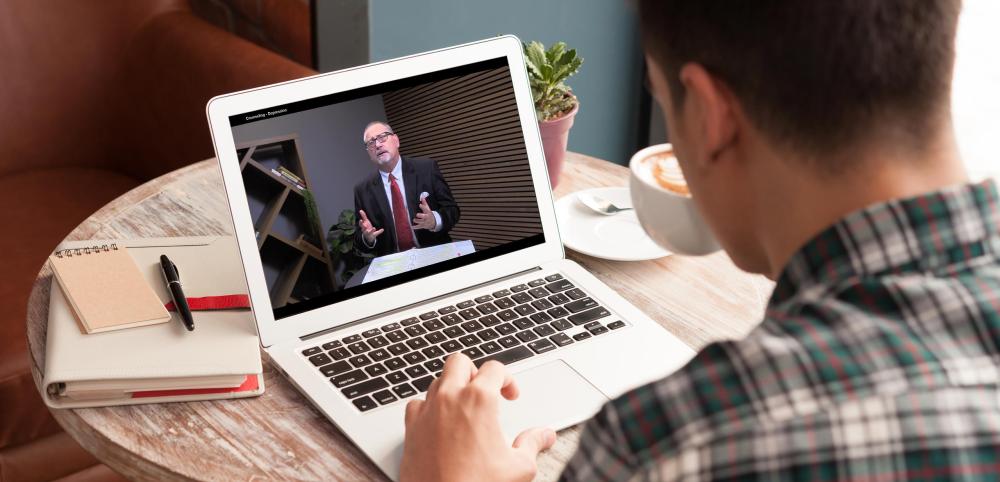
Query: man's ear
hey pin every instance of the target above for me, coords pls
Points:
(712, 109)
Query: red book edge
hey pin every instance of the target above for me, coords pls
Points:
(248, 385)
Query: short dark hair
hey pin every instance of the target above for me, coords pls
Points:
(815, 74)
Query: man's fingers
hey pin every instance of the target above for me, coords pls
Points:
(424, 206)
(493, 377)
(364, 217)
(412, 409)
(458, 369)
(534, 440)
(378, 232)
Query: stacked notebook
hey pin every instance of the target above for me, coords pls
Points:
(111, 341)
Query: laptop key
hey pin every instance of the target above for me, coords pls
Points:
(434, 365)
(541, 346)
(521, 298)
(340, 353)
(390, 327)
(526, 336)
(558, 312)
(501, 293)
(397, 377)
(348, 378)
(336, 368)
(424, 383)
(519, 288)
(561, 325)
(561, 285)
(436, 337)
(466, 304)
(596, 328)
(365, 387)
(404, 390)
(523, 323)
(451, 319)
(414, 357)
(487, 308)
(312, 351)
(473, 352)
(544, 330)
(561, 339)
(483, 299)
(451, 346)
(384, 397)
(508, 341)
(536, 283)
(507, 315)
(488, 334)
(524, 310)
(378, 341)
(415, 330)
(447, 309)
(417, 343)
(469, 314)
(538, 293)
(504, 303)
(542, 304)
(471, 326)
(558, 299)
(614, 325)
(416, 371)
(576, 293)
(395, 363)
(370, 333)
(394, 336)
(398, 348)
(580, 305)
(553, 277)
(351, 339)
(428, 315)
(490, 347)
(376, 370)
(589, 315)
(364, 403)
(507, 357)
(540, 318)
(410, 321)
(506, 329)
(432, 352)
(359, 347)
(489, 320)
(433, 325)
(360, 361)
(453, 331)
(333, 344)
(320, 359)
(581, 336)
(469, 340)
(379, 355)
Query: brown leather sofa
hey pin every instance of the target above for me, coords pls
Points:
(96, 97)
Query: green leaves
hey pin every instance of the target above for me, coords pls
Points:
(547, 69)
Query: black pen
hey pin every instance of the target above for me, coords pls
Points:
(173, 278)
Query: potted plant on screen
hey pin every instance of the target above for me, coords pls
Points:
(555, 104)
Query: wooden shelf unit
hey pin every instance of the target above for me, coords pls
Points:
(296, 267)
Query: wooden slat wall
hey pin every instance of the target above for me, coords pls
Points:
(469, 125)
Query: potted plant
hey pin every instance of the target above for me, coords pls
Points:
(555, 104)
(341, 240)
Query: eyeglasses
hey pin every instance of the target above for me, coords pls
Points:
(370, 143)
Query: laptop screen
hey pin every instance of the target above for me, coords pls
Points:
(360, 190)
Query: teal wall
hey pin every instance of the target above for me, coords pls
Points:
(604, 32)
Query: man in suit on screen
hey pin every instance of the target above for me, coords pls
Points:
(406, 203)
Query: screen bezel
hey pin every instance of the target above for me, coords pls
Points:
(220, 108)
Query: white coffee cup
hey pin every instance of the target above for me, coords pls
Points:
(669, 218)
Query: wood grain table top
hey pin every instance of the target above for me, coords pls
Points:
(280, 435)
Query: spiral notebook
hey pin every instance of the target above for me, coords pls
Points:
(104, 287)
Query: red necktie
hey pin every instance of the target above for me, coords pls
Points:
(404, 237)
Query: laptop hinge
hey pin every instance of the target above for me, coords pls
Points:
(411, 305)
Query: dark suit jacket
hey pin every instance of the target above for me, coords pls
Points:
(419, 175)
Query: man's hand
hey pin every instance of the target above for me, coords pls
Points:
(367, 230)
(455, 434)
(425, 218)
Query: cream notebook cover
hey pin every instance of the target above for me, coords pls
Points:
(161, 362)
(106, 289)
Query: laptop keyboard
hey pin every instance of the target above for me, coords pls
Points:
(381, 366)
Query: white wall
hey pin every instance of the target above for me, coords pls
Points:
(976, 88)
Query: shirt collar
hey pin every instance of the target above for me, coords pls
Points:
(397, 171)
(934, 230)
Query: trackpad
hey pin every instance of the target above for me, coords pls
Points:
(552, 395)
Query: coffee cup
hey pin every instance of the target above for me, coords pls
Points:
(664, 205)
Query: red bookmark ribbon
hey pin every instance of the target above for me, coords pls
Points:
(209, 303)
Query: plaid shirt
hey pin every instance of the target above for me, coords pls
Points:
(878, 359)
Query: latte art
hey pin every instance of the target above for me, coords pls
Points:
(667, 173)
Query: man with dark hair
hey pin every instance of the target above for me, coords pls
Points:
(816, 139)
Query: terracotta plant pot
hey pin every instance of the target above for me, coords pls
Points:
(555, 134)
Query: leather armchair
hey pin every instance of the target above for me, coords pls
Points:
(96, 98)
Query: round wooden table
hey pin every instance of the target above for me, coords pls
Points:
(279, 435)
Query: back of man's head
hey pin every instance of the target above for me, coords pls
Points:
(816, 75)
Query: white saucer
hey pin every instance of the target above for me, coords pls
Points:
(618, 237)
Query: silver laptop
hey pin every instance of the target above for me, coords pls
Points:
(362, 329)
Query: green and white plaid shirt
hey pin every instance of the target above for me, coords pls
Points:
(878, 359)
